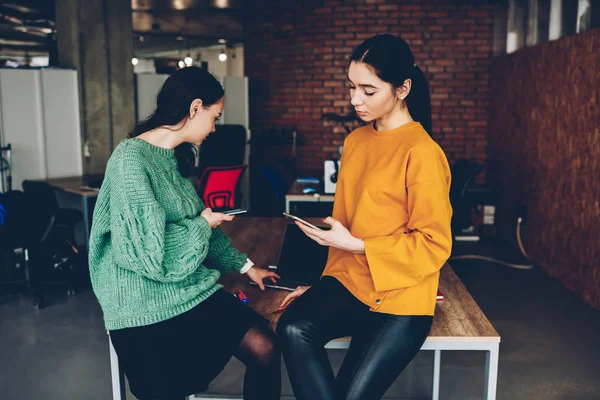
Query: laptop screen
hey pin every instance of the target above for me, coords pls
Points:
(301, 259)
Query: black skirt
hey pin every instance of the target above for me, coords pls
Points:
(181, 356)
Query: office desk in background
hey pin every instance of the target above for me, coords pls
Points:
(308, 205)
(77, 187)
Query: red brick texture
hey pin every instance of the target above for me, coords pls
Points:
(296, 56)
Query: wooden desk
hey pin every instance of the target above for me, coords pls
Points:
(459, 323)
(78, 186)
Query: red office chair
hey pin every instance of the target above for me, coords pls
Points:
(218, 186)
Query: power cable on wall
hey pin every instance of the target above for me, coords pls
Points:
(498, 261)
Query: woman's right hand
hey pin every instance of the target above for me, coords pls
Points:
(215, 218)
(291, 297)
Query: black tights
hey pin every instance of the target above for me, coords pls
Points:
(258, 350)
(382, 344)
(260, 353)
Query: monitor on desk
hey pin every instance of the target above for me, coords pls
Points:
(301, 260)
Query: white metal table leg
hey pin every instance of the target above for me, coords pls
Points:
(86, 221)
(437, 358)
(118, 380)
(491, 372)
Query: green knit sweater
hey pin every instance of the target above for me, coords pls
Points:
(152, 256)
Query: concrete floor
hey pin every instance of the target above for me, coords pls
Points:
(549, 351)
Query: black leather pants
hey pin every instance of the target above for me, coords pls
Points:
(382, 344)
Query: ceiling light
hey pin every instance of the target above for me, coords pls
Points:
(223, 56)
(35, 30)
(179, 4)
(181, 64)
(188, 60)
(134, 61)
(221, 3)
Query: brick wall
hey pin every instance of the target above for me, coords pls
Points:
(296, 56)
(544, 154)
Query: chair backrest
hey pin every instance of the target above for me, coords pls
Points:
(218, 186)
(2, 210)
(45, 205)
(19, 228)
(226, 146)
(463, 173)
(43, 194)
(277, 182)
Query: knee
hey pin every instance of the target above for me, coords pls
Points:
(269, 353)
(260, 349)
(295, 331)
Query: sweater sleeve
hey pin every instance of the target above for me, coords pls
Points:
(222, 255)
(144, 242)
(407, 257)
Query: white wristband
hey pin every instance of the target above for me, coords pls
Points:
(249, 264)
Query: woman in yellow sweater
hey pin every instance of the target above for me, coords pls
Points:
(389, 237)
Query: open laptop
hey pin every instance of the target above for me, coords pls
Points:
(301, 260)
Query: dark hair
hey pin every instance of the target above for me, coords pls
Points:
(173, 105)
(393, 62)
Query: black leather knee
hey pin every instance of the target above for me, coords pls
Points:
(306, 359)
(296, 332)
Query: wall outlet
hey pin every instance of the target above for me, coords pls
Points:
(86, 149)
(522, 213)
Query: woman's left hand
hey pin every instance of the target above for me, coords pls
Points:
(338, 236)
(258, 274)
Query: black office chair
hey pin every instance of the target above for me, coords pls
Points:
(15, 234)
(54, 258)
(47, 210)
(273, 168)
(463, 174)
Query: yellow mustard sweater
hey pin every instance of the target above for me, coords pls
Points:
(393, 192)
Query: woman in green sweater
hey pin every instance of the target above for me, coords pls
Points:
(156, 253)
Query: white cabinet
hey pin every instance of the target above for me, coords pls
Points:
(39, 117)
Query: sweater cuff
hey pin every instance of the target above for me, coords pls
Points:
(238, 260)
(249, 264)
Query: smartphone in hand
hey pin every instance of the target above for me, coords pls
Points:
(234, 211)
(301, 221)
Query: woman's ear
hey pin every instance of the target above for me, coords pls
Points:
(404, 90)
(195, 107)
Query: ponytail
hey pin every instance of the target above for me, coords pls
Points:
(418, 100)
